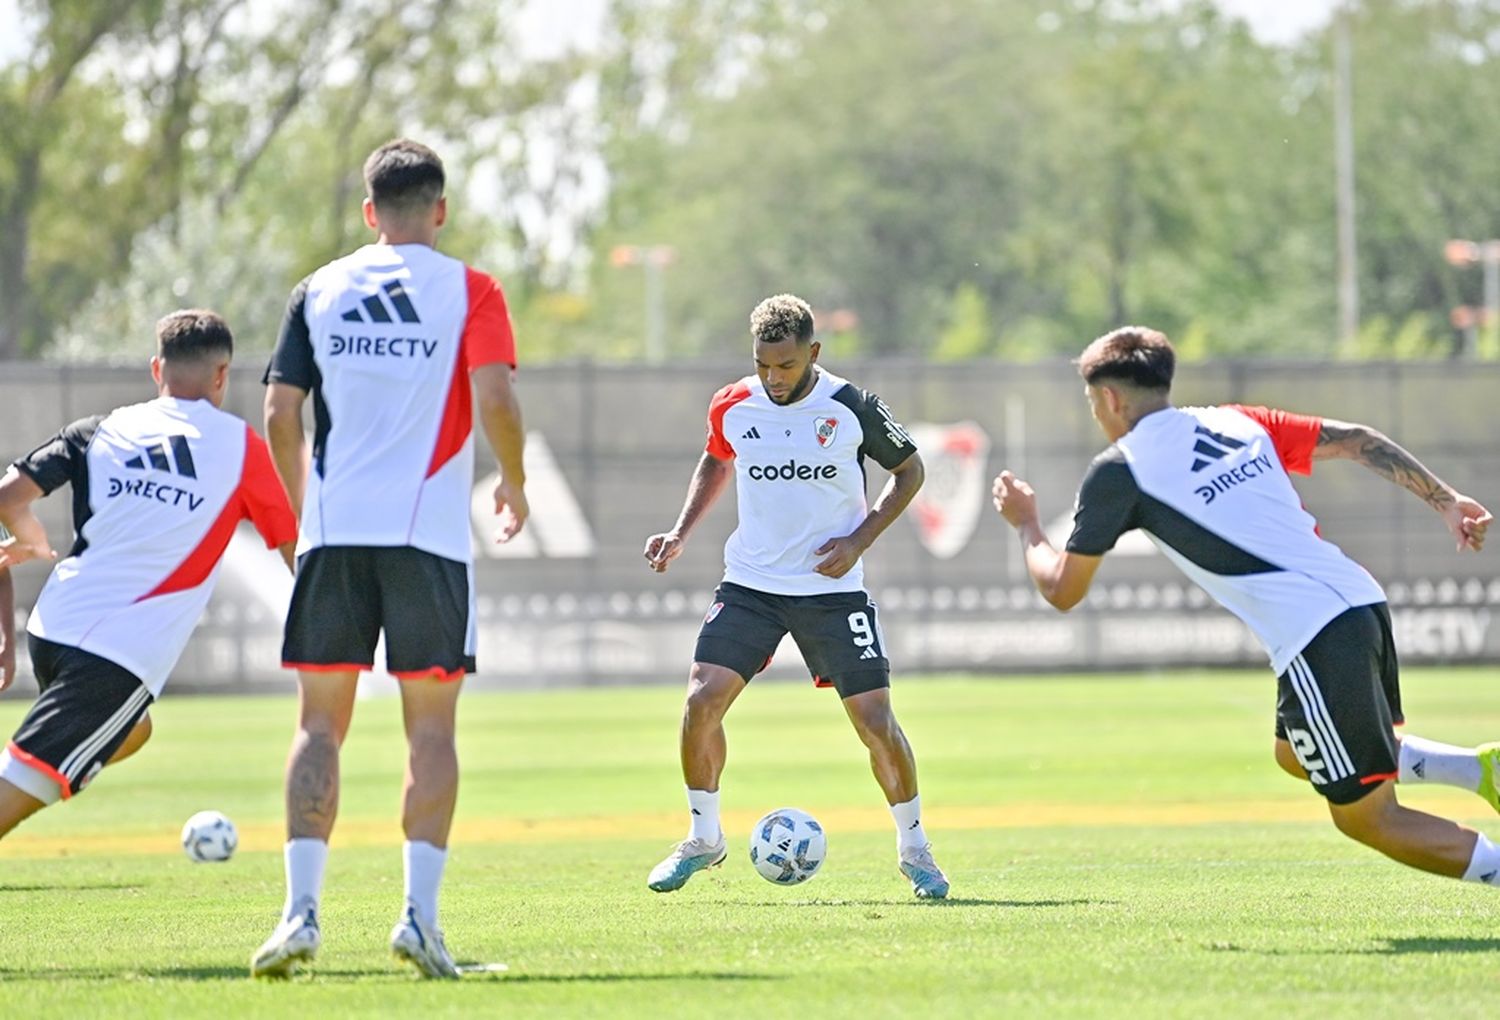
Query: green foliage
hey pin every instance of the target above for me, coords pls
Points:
(1042, 171)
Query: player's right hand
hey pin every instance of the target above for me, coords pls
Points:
(663, 549)
(1468, 520)
(512, 509)
(8, 663)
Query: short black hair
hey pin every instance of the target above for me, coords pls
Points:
(1131, 354)
(404, 176)
(783, 317)
(193, 334)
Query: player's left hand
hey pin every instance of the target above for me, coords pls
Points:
(839, 555)
(14, 552)
(512, 509)
(1468, 521)
(7, 661)
(1014, 499)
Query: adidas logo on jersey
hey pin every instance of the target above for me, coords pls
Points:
(1214, 446)
(752, 433)
(376, 308)
(869, 653)
(180, 453)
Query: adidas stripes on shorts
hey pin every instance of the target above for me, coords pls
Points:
(838, 634)
(87, 708)
(1338, 701)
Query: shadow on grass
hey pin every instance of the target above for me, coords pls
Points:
(951, 903)
(692, 975)
(69, 886)
(1391, 947)
(323, 975)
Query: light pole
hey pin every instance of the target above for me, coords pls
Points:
(1466, 253)
(653, 258)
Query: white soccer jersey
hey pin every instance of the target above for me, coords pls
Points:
(384, 339)
(799, 477)
(158, 489)
(1209, 486)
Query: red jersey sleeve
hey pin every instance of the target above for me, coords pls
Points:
(488, 337)
(718, 444)
(263, 497)
(1295, 435)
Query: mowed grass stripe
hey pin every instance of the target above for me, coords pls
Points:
(365, 832)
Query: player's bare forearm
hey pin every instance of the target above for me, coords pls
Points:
(1043, 562)
(704, 489)
(500, 417)
(285, 437)
(1063, 578)
(29, 538)
(7, 629)
(900, 489)
(1385, 457)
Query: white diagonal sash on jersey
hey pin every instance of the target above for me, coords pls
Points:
(1324, 733)
(112, 726)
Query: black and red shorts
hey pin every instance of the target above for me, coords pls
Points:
(1338, 702)
(838, 635)
(87, 708)
(346, 596)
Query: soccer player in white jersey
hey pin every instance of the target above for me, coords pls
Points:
(396, 343)
(1210, 487)
(795, 437)
(157, 491)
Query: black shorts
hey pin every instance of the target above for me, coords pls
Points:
(838, 635)
(1338, 701)
(87, 708)
(346, 595)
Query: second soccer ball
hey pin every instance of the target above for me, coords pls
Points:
(787, 846)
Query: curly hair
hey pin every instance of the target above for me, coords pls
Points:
(783, 317)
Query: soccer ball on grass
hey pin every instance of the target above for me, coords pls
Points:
(209, 836)
(787, 846)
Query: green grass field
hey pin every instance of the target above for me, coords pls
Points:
(1116, 846)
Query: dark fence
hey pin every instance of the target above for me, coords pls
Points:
(612, 448)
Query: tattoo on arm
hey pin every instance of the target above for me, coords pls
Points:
(1387, 459)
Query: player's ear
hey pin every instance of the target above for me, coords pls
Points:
(156, 369)
(370, 219)
(441, 213)
(812, 352)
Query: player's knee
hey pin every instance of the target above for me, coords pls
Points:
(706, 702)
(878, 729)
(431, 741)
(1367, 820)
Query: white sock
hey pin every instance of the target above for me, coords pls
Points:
(705, 809)
(424, 874)
(1427, 761)
(909, 831)
(1484, 866)
(305, 861)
